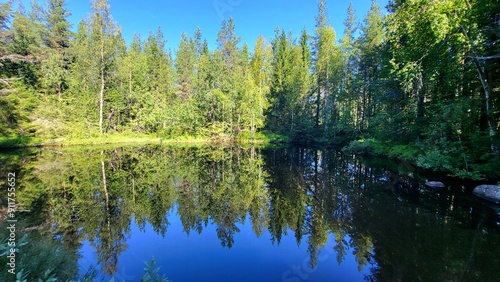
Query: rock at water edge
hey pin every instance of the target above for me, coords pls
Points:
(488, 192)
(435, 184)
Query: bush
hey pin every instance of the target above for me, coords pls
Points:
(404, 152)
(151, 273)
(40, 260)
(362, 146)
(448, 157)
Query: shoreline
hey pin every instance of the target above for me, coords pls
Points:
(9, 143)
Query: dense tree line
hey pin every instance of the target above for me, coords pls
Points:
(420, 83)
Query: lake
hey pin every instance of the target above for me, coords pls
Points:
(203, 213)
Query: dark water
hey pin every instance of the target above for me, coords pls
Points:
(243, 214)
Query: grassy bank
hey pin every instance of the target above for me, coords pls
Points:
(407, 153)
(21, 142)
(116, 138)
(25, 142)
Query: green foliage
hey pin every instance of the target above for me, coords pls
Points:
(426, 72)
(449, 157)
(49, 262)
(445, 157)
(185, 64)
(151, 273)
(362, 146)
(404, 152)
(16, 108)
(39, 260)
(264, 137)
(18, 142)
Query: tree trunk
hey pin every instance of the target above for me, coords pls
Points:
(104, 183)
(420, 113)
(101, 93)
(487, 92)
(105, 186)
(130, 80)
(318, 104)
(325, 110)
(363, 100)
(59, 90)
(253, 127)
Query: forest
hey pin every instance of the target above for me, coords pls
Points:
(418, 83)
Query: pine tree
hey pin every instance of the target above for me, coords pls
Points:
(350, 61)
(278, 116)
(57, 24)
(228, 42)
(26, 44)
(160, 83)
(133, 76)
(371, 40)
(326, 62)
(185, 64)
(5, 38)
(55, 65)
(227, 58)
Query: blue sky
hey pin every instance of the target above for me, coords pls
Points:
(252, 17)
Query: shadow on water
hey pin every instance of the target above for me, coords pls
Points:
(374, 210)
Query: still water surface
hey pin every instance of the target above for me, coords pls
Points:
(246, 214)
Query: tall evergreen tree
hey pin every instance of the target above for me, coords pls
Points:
(350, 61)
(303, 79)
(371, 39)
(326, 66)
(57, 24)
(278, 115)
(5, 38)
(228, 42)
(160, 82)
(185, 64)
(56, 63)
(228, 59)
(25, 46)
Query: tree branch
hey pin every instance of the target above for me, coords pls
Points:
(17, 58)
(6, 91)
(6, 80)
(497, 56)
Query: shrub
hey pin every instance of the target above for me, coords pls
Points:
(362, 146)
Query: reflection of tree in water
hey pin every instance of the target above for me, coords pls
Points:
(306, 198)
(105, 224)
(385, 219)
(231, 185)
(382, 218)
(101, 192)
